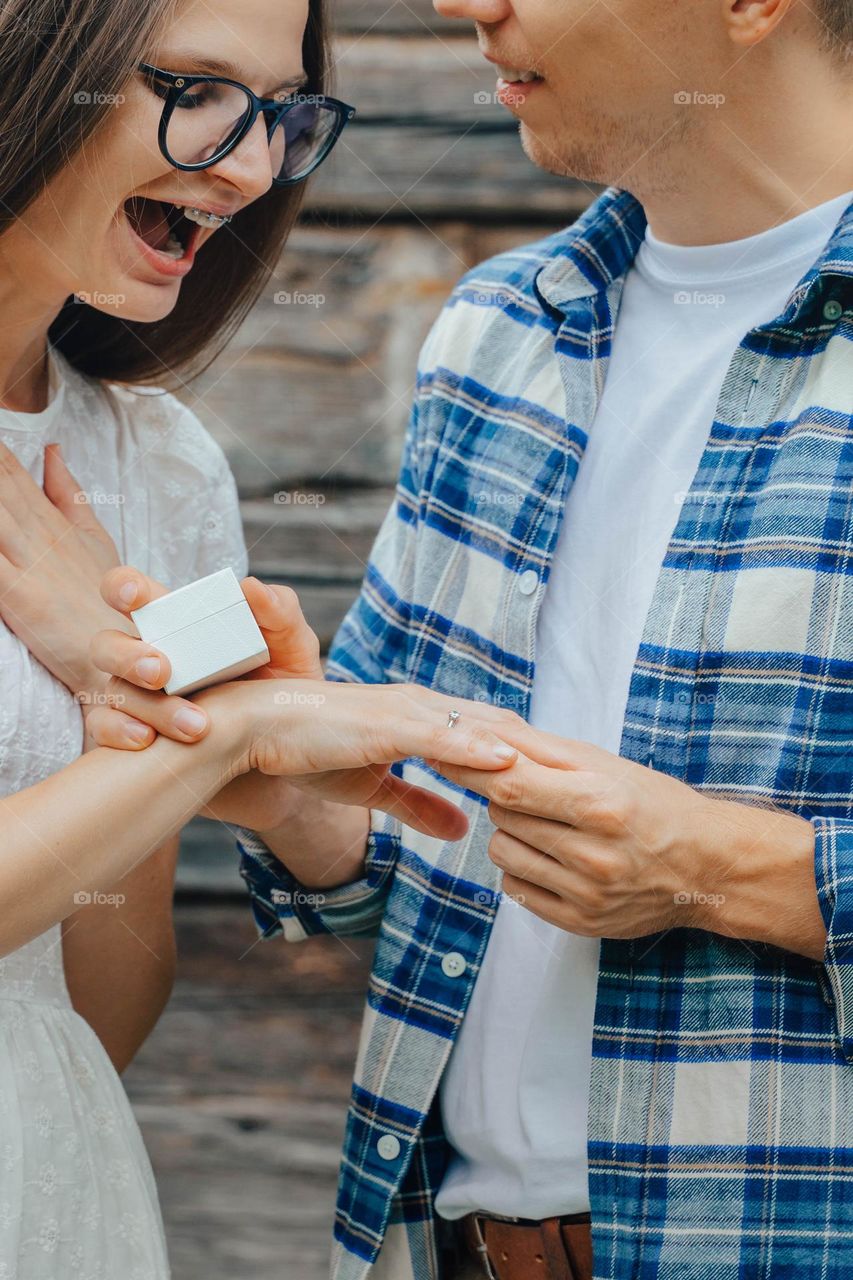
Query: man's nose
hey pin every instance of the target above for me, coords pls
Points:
(484, 11)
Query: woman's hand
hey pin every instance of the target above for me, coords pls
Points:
(338, 741)
(140, 710)
(138, 671)
(257, 799)
(53, 554)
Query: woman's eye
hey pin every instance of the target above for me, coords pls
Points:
(199, 96)
(158, 87)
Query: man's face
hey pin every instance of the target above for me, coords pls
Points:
(615, 76)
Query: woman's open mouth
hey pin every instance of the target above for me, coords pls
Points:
(168, 234)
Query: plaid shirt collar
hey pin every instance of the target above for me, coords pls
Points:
(603, 243)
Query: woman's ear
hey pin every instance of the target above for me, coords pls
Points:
(749, 21)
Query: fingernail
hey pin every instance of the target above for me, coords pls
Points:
(127, 594)
(272, 595)
(148, 669)
(504, 752)
(137, 731)
(189, 721)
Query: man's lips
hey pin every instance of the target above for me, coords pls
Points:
(511, 72)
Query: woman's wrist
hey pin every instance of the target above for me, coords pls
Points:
(236, 718)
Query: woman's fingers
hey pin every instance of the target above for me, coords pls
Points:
(110, 727)
(452, 745)
(130, 659)
(18, 491)
(64, 491)
(508, 725)
(421, 809)
(125, 588)
(172, 717)
(388, 724)
(293, 646)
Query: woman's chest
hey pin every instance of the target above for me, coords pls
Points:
(41, 723)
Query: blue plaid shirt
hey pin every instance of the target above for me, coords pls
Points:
(721, 1122)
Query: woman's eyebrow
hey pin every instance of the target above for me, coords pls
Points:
(194, 64)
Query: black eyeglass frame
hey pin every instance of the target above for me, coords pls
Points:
(272, 109)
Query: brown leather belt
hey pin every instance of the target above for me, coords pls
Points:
(553, 1249)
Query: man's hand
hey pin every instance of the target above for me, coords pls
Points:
(603, 847)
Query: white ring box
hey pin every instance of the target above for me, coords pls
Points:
(206, 630)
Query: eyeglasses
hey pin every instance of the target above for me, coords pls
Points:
(206, 117)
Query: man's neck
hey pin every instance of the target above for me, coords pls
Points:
(754, 164)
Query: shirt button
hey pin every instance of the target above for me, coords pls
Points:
(388, 1146)
(528, 582)
(453, 965)
(832, 310)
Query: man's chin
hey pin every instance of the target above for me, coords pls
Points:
(546, 154)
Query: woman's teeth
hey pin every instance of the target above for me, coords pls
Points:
(515, 76)
(205, 219)
(173, 247)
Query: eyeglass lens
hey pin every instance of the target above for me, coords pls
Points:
(209, 115)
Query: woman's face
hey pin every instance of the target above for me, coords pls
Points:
(95, 229)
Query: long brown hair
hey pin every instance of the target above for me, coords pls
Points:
(55, 51)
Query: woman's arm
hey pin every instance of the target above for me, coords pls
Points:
(119, 955)
(88, 825)
(85, 827)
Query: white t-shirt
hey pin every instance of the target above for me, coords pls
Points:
(515, 1093)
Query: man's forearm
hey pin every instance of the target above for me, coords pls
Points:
(323, 845)
(760, 879)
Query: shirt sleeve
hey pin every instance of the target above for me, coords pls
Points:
(371, 646)
(834, 876)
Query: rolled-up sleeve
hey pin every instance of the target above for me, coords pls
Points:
(281, 905)
(834, 875)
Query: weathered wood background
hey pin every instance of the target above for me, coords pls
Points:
(241, 1090)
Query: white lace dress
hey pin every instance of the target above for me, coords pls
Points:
(77, 1196)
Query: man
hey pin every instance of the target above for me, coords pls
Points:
(624, 512)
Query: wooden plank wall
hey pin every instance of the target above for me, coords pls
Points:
(311, 399)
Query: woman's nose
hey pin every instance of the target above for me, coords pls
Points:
(248, 167)
(484, 11)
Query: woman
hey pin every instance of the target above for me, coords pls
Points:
(147, 191)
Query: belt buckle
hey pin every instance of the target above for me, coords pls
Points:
(483, 1250)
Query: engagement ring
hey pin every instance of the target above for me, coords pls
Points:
(452, 719)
